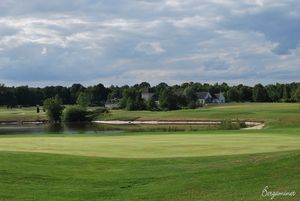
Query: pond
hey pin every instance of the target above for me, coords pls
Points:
(66, 128)
(113, 127)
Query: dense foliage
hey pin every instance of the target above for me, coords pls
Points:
(129, 97)
(75, 114)
(54, 108)
(83, 99)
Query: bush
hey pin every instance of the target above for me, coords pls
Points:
(75, 114)
(54, 108)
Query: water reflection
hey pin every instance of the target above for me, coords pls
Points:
(66, 128)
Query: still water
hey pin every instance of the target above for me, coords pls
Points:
(67, 128)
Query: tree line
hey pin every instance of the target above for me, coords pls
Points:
(129, 97)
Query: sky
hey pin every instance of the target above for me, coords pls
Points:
(118, 42)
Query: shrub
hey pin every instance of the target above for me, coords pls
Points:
(75, 114)
(54, 108)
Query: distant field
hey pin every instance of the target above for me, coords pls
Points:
(261, 111)
(21, 114)
(275, 114)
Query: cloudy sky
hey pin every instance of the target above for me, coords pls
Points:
(130, 41)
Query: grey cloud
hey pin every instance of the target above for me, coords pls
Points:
(124, 42)
(276, 23)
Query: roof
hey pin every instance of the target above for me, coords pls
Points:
(202, 95)
(218, 95)
(147, 93)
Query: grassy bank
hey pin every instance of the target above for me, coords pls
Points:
(273, 113)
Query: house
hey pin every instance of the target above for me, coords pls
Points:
(146, 95)
(219, 98)
(204, 97)
(113, 103)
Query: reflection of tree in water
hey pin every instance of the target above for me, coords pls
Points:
(54, 128)
(63, 128)
(75, 128)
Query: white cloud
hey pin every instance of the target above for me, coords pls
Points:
(196, 21)
(44, 51)
(150, 48)
(152, 40)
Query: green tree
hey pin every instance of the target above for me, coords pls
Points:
(260, 93)
(273, 93)
(54, 108)
(168, 100)
(98, 94)
(151, 105)
(296, 95)
(75, 91)
(132, 100)
(233, 94)
(83, 99)
(191, 96)
(286, 93)
(75, 114)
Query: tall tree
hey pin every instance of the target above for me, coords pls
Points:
(260, 93)
(98, 94)
(190, 94)
(74, 92)
(167, 100)
(296, 95)
(83, 99)
(233, 94)
(286, 93)
(132, 100)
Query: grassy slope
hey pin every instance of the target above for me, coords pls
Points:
(275, 115)
(260, 111)
(25, 176)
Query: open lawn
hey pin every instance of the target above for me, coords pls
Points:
(215, 165)
(48, 177)
(154, 146)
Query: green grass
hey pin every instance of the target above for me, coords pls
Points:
(275, 115)
(21, 114)
(262, 111)
(158, 166)
(47, 177)
(154, 146)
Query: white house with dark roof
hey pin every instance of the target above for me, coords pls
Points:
(204, 97)
(219, 98)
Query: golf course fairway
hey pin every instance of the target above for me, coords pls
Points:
(153, 146)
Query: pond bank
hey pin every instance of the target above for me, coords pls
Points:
(249, 124)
